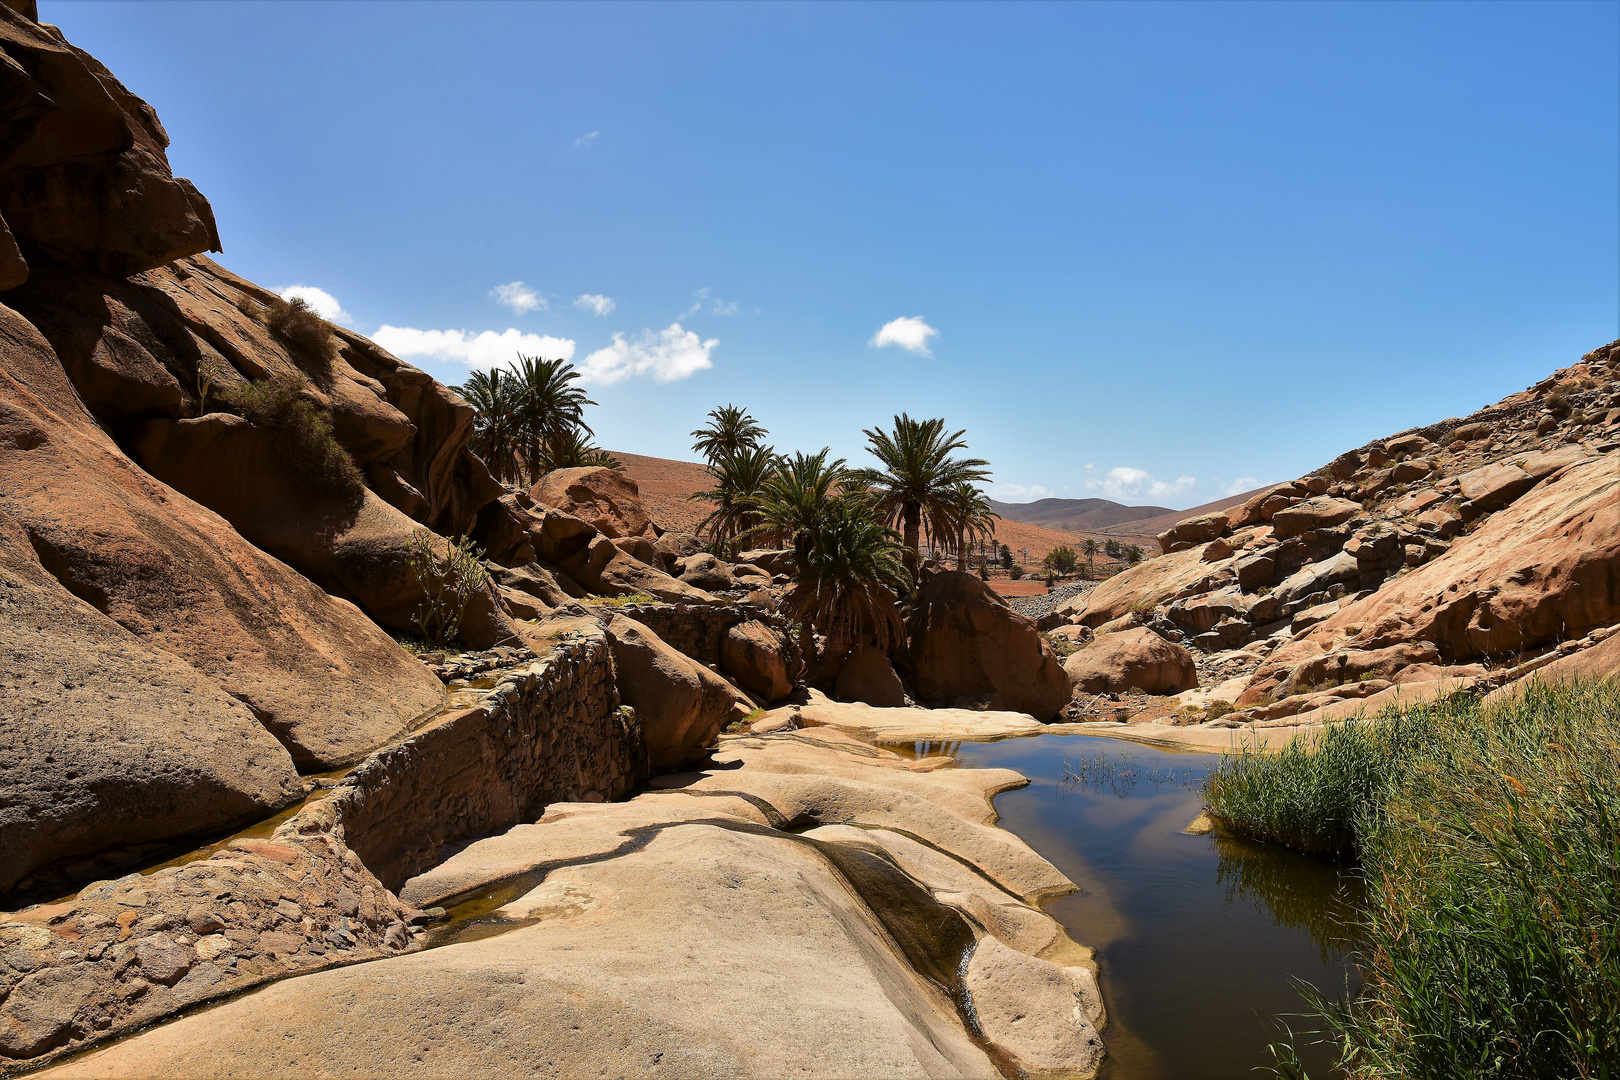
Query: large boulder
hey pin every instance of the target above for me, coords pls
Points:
(771, 561)
(352, 543)
(315, 671)
(681, 704)
(1321, 512)
(1544, 569)
(1132, 660)
(1145, 586)
(107, 740)
(867, 676)
(84, 179)
(606, 498)
(962, 640)
(757, 657)
(704, 571)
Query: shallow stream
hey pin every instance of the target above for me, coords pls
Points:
(1201, 940)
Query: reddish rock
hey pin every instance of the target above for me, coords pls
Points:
(606, 498)
(755, 655)
(1320, 512)
(964, 641)
(1493, 486)
(1132, 660)
(867, 676)
(681, 704)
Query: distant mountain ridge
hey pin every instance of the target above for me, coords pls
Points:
(1076, 515)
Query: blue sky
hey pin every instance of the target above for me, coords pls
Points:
(1148, 251)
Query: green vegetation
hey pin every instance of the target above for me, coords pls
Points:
(627, 598)
(730, 430)
(449, 583)
(1490, 841)
(530, 419)
(739, 485)
(1061, 561)
(302, 431)
(846, 576)
(921, 485)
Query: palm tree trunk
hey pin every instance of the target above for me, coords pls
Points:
(911, 519)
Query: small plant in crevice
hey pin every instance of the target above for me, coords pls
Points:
(302, 431)
(449, 583)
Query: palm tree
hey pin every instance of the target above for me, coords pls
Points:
(739, 480)
(730, 430)
(574, 450)
(847, 576)
(919, 478)
(497, 437)
(795, 495)
(552, 411)
(1090, 548)
(972, 517)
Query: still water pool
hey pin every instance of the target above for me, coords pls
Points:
(1201, 940)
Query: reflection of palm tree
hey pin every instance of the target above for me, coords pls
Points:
(845, 577)
(496, 397)
(917, 484)
(1295, 890)
(730, 430)
(739, 480)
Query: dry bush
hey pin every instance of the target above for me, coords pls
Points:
(303, 433)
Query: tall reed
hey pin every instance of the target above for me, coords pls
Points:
(1490, 841)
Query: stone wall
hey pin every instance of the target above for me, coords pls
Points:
(551, 732)
(315, 894)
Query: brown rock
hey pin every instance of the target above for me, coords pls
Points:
(867, 676)
(606, 498)
(182, 580)
(963, 640)
(704, 571)
(755, 655)
(1320, 512)
(1545, 568)
(1493, 486)
(352, 545)
(105, 739)
(771, 562)
(680, 703)
(1132, 660)
(85, 178)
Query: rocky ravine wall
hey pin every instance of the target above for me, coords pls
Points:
(316, 894)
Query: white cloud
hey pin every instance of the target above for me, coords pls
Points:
(717, 306)
(1123, 482)
(1240, 485)
(1008, 492)
(910, 333)
(518, 296)
(485, 350)
(666, 355)
(320, 301)
(586, 139)
(595, 303)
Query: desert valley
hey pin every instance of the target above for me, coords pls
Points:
(356, 723)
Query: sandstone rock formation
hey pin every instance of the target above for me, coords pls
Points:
(681, 704)
(866, 675)
(1437, 556)
(1132, 660)
(963, 641)
(606, 498)
(106, 740)
(756, 656)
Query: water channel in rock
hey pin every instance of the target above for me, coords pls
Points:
(1201, 940)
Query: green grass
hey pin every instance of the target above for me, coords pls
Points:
(302, 431)
(1490, 843)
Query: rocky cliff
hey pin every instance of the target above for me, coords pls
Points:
(1450, 554)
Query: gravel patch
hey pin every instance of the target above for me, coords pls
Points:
(1036, 606)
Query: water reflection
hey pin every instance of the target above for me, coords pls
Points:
(1202, 940)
